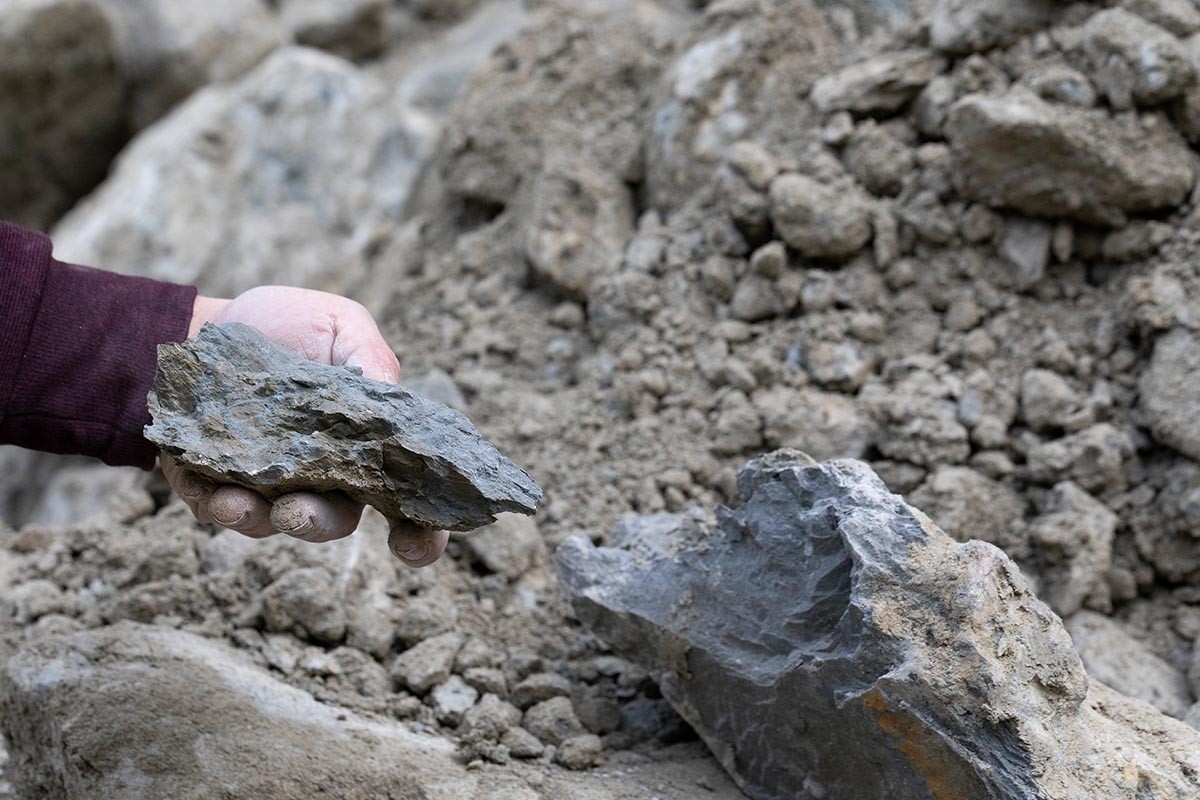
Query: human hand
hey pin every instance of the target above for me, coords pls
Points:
(327, 329)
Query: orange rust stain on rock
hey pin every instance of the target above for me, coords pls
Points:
(941, 769)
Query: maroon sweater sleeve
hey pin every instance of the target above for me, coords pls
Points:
(77, 351)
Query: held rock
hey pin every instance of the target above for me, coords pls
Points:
(231, 405)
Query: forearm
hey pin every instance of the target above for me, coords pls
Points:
(78, 351)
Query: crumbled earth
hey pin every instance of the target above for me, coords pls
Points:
(637, 245)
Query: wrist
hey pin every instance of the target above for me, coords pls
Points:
(204, 309)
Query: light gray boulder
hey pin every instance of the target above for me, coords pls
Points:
(284, 176)
(167, 50)
(1017, 151)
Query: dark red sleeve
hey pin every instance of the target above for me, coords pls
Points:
(77, 351)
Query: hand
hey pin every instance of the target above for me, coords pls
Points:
(329, 330)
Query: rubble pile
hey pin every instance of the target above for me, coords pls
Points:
(638, 243)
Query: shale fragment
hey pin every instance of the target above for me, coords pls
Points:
(234, 406)
(825, 625)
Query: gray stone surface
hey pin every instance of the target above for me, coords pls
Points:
(825, 625)
(880, 83)
(137, 711)
(167, 50)
(1113, 656)
(966, 25)
(62, 106)
(1018, 151)
(234, 406)
(288, 173)
(1170, 391)
(1136, 62)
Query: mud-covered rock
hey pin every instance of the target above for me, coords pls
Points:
(234, 406)
(1071, 541)
(818, 219)
(1114, 657)
(62, 106)
(880, 83)
(869, 635)
(1018, 151)
(1135, 61)
(140, 711)
(1170, 391)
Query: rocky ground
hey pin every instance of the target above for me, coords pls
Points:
(637, 243)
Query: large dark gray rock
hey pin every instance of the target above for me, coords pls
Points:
(827, 640)
(232, 405)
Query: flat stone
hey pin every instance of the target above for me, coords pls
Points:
(824, 625)
(1017, 151)
(881, 83)
(232, 405)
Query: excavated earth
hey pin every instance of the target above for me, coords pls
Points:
(637, 244)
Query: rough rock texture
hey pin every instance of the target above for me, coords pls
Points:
(1135, 61)
(1114, 657)
(167, 50)
(232, 405)
(825, 624)
(704, 341)
(286, 174)
(62, 106)
(966, 25)
(141, 711)
(1018, 151)
(882, 83)
(1170, 391)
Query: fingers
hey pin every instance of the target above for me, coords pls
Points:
(316, 517)
(241, 510)
(416, 546)
(193, 489)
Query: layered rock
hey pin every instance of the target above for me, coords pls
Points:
(232, 405)
(824, 624)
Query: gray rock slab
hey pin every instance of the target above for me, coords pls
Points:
(825, 639)
(232, 405)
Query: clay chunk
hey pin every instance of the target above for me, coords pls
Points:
(234, 406)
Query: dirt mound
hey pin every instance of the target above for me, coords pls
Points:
(958, 243)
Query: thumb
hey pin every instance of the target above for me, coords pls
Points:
(358, 343)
